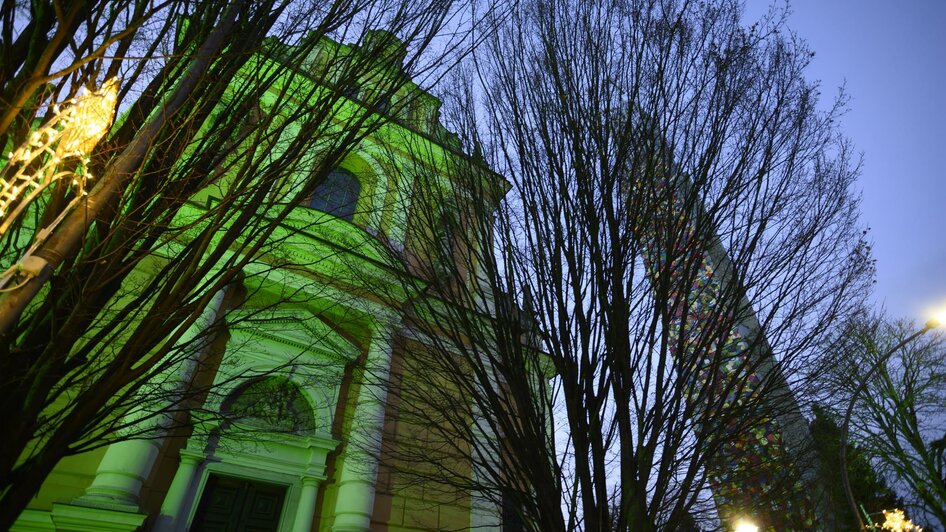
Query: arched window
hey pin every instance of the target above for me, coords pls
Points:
(273, 403)
(337, 194)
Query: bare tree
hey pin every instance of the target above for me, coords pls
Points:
(898, 420)
(230, 115)
(613, 338)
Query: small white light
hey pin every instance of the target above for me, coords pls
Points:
(744, 525)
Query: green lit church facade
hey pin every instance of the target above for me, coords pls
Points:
(292, 365)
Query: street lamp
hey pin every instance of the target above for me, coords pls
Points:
(937, 320)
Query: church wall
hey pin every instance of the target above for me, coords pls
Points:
(405, 501)
(68, 480)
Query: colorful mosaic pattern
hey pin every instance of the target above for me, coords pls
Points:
(751, 475)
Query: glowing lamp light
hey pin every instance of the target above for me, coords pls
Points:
(76, 127)
(896, 521)
(744, 525)
(89, 117)
(937, 318)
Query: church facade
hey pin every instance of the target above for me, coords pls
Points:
(300, 356)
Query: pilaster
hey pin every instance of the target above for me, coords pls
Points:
(356, 484)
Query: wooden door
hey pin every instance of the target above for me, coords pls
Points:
(238, 505)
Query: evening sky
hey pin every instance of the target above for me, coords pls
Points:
(891, 58)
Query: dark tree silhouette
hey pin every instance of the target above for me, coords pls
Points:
(617, 332)
(897, 424)
(870, 489)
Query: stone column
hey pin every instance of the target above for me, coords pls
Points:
(306, 509)
(485, 516)
(127, 464)
(121, 474)
(172, 516)
(356, 484)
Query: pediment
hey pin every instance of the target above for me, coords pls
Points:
(296, 328)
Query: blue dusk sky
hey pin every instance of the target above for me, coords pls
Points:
(891, 57)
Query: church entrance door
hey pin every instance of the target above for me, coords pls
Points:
(239, 505)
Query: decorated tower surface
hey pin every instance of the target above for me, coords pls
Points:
(301, 352)
(765, 468)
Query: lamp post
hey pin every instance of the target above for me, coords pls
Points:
(931, 324)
